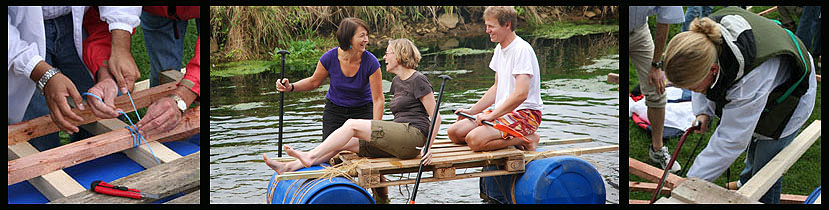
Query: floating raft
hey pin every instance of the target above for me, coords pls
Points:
(447, 159)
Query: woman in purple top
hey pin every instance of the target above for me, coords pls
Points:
(356, 87)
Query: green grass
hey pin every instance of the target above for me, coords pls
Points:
(568, 29)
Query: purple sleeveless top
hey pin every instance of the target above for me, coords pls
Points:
(349, 91)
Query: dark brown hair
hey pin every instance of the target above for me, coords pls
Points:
(346, 31)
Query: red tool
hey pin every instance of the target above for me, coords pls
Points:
(106, 188)
(500, 127)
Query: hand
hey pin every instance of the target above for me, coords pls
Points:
(426, 159)
(121, 64)
(484, 117)
(656, 79)
(467, 111)
(107, 90)
(703, 123)
(161, 116)
(56, 91)
(282, 85)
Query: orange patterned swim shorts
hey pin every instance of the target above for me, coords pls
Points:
(525, 121)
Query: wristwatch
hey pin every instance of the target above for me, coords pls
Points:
(179, 103)
(45, 78)
(657, 65)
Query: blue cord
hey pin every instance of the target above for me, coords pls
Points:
(136, 137)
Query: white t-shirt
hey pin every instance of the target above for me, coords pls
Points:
(517, 58)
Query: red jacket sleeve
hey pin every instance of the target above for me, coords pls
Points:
(98, 45)
(193, 71)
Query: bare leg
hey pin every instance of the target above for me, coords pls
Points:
(458, 131)
(532, 145)
(485, 138)
(657, 118)
(281, 167)
(335, 143)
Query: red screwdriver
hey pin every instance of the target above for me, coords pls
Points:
(106, 188)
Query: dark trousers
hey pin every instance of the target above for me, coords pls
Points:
(335, 116)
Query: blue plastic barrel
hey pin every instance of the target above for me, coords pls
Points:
(337, 190)
(812, 197)
(555, 180)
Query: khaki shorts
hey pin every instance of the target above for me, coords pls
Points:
(391, 139)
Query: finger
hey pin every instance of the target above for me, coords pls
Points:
(62, 123)
(63, 105)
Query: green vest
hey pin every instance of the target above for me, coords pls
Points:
(765, 40)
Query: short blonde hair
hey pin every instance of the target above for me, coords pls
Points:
(406, 52)
(503, 14)
(690, 54)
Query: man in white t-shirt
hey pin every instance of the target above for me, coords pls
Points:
(515, 93)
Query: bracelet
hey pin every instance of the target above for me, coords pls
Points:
(292, 87)
(41, 84)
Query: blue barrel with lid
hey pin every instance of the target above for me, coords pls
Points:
(337, 190)
(555, 180)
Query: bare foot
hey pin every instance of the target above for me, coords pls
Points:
(534, 139)
(303, 157)
(277, 166)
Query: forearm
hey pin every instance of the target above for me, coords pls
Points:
(377, 109)
(659, 41)
(120, 41)
(39, 70)
(487, 100)
(512, 102)
(186, 94)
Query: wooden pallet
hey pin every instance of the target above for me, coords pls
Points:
(448, 159)
(44, 169)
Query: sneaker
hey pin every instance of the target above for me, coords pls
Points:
(662, 157)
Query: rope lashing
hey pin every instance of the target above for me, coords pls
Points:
(136, 137)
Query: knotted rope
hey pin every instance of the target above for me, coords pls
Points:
(136, 137)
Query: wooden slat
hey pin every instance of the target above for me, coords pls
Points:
(575, 151)
(694, 190)
(190, 198)
(638, 202)
(52, 185)
(764, 12)
(90, 148)
(647, 187)
(651, 173)
(768, 175)
(40, 126)
(181, 175)
(141, 155)
(613, 78)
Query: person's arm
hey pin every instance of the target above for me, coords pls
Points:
(377, 98)
(306, 84)
(428, 102)
(515, 99)
(655, 75)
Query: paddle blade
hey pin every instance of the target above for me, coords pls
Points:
(510, 131)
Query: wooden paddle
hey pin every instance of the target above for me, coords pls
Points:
(429, 137)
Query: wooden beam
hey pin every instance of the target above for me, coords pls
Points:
(190, 198)
(98, 146)
(768, 175)
(54, 185)
(169, 76)
(695, 190)
(651, 173)
(141, 155)
(574, 151)
(40, 126)
(179, 176)
(764, 12)
(647, 187)
(613, 78)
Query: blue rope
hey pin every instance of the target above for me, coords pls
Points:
(136, 137)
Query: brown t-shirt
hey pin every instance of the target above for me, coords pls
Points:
(405, 104)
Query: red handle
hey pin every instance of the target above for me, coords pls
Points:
(106, 188)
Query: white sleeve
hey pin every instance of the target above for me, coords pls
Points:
(23, 55)
(124, 18)
(701, 105)
(739, 118)
(525, 62)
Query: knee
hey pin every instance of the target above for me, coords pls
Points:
(473, 142)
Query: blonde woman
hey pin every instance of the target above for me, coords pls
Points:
(412, 103)
(755, 76)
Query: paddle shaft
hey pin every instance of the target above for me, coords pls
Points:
(281, 102)
(671, 162)
(428, 138)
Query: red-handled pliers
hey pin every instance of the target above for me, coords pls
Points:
(106, 188)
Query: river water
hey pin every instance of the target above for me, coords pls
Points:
(244, 114)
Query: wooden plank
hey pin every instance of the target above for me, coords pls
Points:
(792, 199)
(666, 200)
(141, 155)
(52, 185)
(169, 76)
(768, 175)
(764, 12)
(190, 198)
(81, 151)
(652, 174)
(638, 202)
(613, 78)
(647, 187)
(575, 151)
(434, 179)
(697, 191)
(40, 126)
(181, 175)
